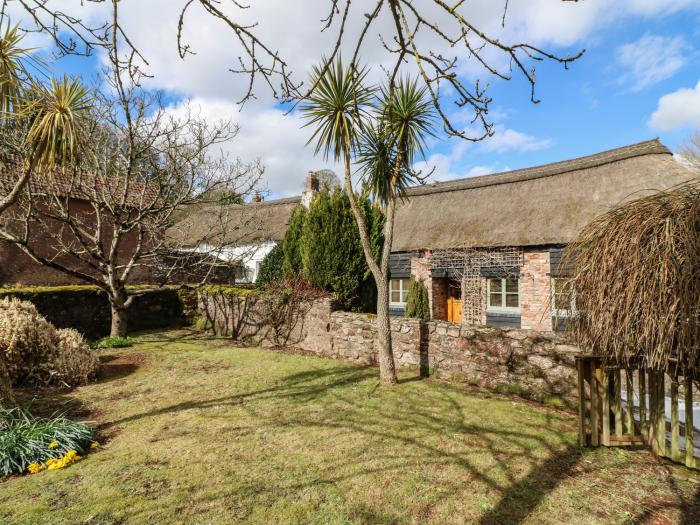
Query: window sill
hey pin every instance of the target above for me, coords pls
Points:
(514, 311)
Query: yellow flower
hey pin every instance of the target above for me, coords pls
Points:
(35, 467)
(57, 463)
(53, 445)
(94, 445)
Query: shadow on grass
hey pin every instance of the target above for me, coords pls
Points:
(431, 431)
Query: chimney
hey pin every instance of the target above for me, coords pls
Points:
(257, 198)
(310, 190)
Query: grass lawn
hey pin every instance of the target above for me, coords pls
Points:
(196, 430)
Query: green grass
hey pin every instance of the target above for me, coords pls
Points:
(197, 431)
(116, 342)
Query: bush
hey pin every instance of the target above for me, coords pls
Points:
(41, 443)
(36, 353)
(271, 267)
(116, 342)
(417, 302)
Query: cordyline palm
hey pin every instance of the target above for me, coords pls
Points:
(56, 111)
(340, 108)
(14, 73)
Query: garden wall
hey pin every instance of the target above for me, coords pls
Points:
(519, 361)
(86, 308)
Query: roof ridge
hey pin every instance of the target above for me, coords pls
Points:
(638, 149)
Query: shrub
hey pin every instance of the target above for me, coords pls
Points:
(116, 342)
(41, 443)
(271, 267)
(38, 354)
(417, 302)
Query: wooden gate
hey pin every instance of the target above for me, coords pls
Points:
(454, 310)
(606, 419)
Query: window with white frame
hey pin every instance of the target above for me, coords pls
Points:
(502, 294)
(398, 292)
(563, 297)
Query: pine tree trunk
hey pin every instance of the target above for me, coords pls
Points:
(385, 354)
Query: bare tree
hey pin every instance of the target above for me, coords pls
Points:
(102, 218)
(420, 36)
(690, 152)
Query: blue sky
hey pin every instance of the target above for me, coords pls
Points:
(639, 79)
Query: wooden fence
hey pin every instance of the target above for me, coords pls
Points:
(606, 419)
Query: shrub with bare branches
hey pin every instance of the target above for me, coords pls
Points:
(36, 353)
(637, 282)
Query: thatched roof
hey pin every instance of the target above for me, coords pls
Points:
(542, 205)
(236, 224)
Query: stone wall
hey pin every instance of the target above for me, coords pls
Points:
(519, 361)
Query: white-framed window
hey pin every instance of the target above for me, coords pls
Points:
(502, 294)
(398, 292)
(563, 297)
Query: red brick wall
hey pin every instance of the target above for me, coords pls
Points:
(535, 291)
(17, 268)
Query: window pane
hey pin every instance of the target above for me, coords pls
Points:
(512, 300)
(394, 285)
(495, 285)
(395, 296)
(512, 285)
(495, 300)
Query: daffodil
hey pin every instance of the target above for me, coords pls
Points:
(53, 445)
(94, 445)
(35, 467)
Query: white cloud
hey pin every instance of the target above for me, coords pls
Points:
(268, 135)
(680, 109)
(506, 139)
(650, 60)
(294, 30)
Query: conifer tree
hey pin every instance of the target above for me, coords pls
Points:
(271, 267)
(291, 245)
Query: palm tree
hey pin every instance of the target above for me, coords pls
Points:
(385, 133)
(49, 113)
(50, 117)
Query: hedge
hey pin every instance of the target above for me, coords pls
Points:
(86, 308)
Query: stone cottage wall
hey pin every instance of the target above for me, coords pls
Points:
(535, 291)
(517, 360)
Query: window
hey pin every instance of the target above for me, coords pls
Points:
(503, 294)
(563, 297)
(398, 292)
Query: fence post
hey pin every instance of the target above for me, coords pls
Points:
(581, 367)
(689, 444)
(661, 413)
(675, 423)
(605, 394)
(642, 401)
(630, 401)
(617, 401)
(653, 420)
(595, 376)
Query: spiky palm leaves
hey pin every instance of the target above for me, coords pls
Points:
(56, 112)
(404, 118)
(14, 73)
(337, 108)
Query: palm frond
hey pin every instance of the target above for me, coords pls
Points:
(57, 109)
(337, 107)
(14, 72)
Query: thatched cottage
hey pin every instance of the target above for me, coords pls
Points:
(488, 248)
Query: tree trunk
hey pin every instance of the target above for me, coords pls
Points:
(119, 321)
(385, 353)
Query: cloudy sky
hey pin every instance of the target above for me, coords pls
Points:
(638, 79)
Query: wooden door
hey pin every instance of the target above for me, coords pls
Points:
(454, 310)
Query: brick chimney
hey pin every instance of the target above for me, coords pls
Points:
(257, 198)
(310, 189)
